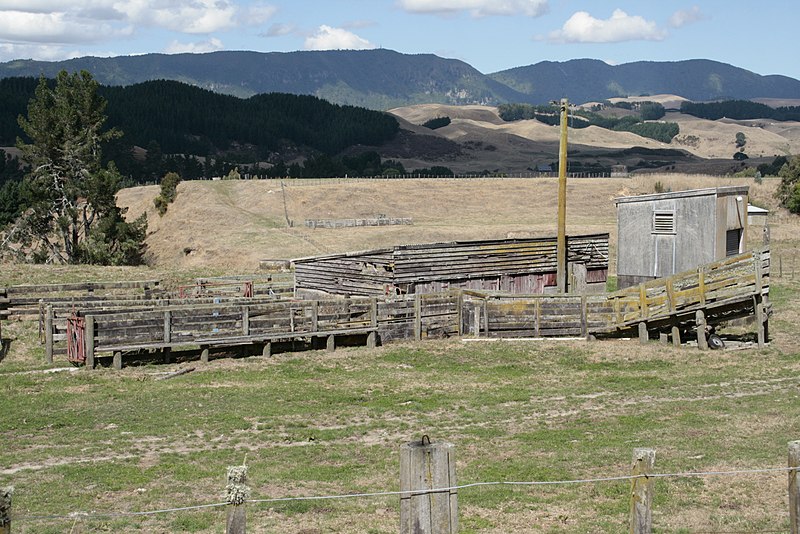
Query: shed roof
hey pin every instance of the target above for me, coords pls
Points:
(755, 210)
(709, 191)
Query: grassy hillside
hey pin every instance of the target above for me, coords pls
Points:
(234, 224)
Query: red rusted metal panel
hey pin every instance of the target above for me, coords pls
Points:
(76, 330)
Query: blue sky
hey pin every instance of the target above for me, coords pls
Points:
(491, 35)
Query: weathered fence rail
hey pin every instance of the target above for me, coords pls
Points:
(23, 300)
(352, 223)
(54, 317)
(690, 301)
(272, 284)
(721, 291)
(219, 324)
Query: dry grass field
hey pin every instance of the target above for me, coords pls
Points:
(84, 448)
(232, 225)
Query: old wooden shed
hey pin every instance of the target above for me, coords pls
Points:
(511, 265)
(666, 233)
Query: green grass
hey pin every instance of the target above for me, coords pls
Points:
(316, 423)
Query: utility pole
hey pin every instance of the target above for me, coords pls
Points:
(561, 243)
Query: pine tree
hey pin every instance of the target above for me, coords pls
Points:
(69, 192)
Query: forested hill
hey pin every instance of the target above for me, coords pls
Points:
(383, 79)
(183, 119)
(586, 80)
(376, 79)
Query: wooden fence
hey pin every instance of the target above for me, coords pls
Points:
(23, 300)
(712, 294)
(691, 301)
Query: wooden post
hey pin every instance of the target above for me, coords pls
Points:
(584, 318)
(537, 321)
(460, 312)
(166, 352)
(5, 510)
(372, 337)
(426, 466)
(245, 320)
(167, 326)
(761, 319)
(117, 360)
(642, 491)
(418, 316)
(48, 334)
(314, 315)
(671, 294)
(477, 318)
(701, 285)
(644, 336)
(88, 340)
(700, 320)
(236, 493)
(643, 311)
(676, 336)
(561, 234)
(486, 317)
(794, 490)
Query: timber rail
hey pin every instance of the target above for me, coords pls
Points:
(728, 289)
(684, 305)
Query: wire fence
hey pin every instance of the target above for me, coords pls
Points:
(638, 476)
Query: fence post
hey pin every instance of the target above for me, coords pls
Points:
(48, 333)
(426, 466)
(700, 320)
(644, 335)
(794, 490)
(236, 493)
(5, 510)
(642, 491)
(89, 340)
(418, 316)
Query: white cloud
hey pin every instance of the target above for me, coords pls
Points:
(686, 16)
(9, 51)
(259, 13)
(185, 16)
(328, 38)
(279, 30)
(27, 27)
(477, 8)
(70, 21)
(584, 28)
(210, 45)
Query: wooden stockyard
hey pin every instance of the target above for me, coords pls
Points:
(511, 265)
(683, 305)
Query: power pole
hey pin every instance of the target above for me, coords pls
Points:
(561, 243)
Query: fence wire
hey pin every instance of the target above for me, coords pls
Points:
(411, 493)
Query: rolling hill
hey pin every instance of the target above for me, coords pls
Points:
(383, 79)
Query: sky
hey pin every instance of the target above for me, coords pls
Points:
(490, 35)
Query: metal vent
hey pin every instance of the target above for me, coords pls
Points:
(732, 240)
(663, 222)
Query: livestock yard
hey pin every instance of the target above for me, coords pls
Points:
(202, 367)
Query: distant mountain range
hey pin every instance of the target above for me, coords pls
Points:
(383, 79)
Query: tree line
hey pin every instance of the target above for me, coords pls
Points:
(580, 118)
(740, 110)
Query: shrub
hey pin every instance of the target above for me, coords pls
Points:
(169, 190)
